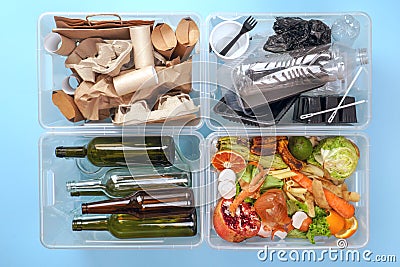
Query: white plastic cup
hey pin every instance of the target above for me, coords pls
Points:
(222, 34)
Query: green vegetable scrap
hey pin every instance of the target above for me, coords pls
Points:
(293, 206)
(337, 155)
(296, 233)
(319, 225)
(271, 182)
(273, 161)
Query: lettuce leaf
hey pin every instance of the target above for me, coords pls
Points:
(296, 233)
(319, 225)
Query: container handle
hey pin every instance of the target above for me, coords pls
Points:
(105, 14)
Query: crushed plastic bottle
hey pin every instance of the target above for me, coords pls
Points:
(279, 76)
(345, 30)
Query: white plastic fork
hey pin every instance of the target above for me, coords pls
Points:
(345, 94)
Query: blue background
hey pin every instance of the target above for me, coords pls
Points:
(19, 208)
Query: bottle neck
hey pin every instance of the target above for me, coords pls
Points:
(76, 188)
(121, 205)
(96, 223)
(71, 152)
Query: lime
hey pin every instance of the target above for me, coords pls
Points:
(300, 147)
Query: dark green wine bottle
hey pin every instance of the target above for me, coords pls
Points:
(146, 203)
(128, 226)
(126, 151)
(121, 182)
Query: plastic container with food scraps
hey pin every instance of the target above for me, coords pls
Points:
(277, 79)
(220, 172)
(167, 43)
(66, 182)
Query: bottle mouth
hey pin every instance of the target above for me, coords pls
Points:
(84, 208)
(77, 225)
(61, 152)
(65, 152)
(70, 186)
(363, 56)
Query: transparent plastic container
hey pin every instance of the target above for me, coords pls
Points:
(358, 182)
(52, 71)
(210, 79)
(58, 207)
(220, 76)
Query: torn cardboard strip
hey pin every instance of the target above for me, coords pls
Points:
(67, 106)
(164, 40)
(187, 34)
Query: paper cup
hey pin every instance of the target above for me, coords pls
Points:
(222, 34)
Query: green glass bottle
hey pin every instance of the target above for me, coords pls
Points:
(128, 226)
(118, 151)
(121, 182)
(146, 203)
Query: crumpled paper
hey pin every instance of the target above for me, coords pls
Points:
(94, 100)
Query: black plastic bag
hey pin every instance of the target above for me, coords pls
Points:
(294, 33)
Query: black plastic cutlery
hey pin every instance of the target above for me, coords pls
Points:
(248, 25)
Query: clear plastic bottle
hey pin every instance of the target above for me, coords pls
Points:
(280, 76)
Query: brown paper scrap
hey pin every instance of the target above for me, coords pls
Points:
(164, 40)
(94, 55)
(78, 29)
(67, 106)
(86, 49)
(93, 98)
(187, 34)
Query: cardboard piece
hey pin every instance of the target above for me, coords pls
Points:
(132, 81)
(187, 34)
(58, 44)
(94, 55)
(170, 108)
(164, 40)
(111, 57)
(67, 106)
(86, 49)
(142, 46)
(78, 29)
(95, 99)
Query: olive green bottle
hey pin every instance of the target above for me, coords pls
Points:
(128, 226)
(121, 182)
(118, 151)
(146, 203)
